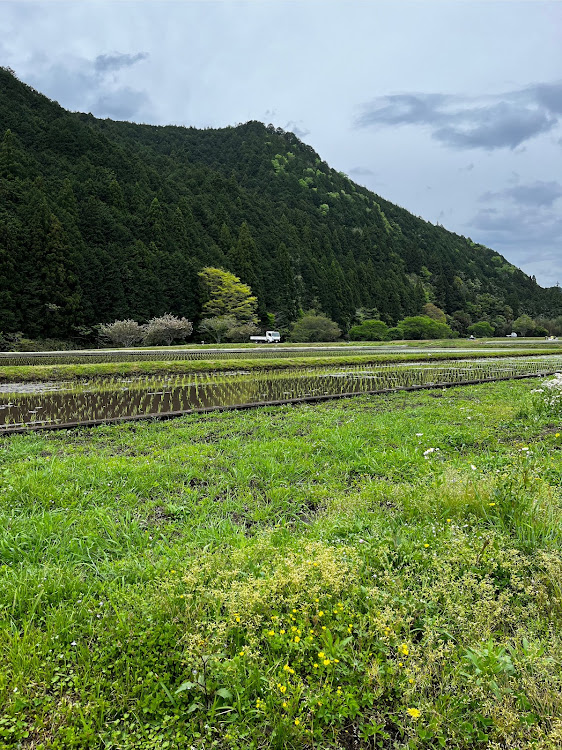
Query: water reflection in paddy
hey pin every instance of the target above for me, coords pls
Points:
(56, 403)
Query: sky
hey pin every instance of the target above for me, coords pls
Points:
(451, 109)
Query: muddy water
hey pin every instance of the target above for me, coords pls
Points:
(36, 405)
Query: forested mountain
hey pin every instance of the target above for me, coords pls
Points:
(102, 220)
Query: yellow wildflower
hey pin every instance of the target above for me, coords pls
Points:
(415, 713)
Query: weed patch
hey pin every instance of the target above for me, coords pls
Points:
(381, 572)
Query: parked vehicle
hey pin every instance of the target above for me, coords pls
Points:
(271, 337)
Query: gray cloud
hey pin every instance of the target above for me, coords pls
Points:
(522, 223)
(361, 171)
(535, 194)
(549, 95)
(93, 85)
(116, 61)
(529, 235)
(294, 128)
(121, 104)
(488, 122)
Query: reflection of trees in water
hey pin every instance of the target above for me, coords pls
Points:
(114, 399)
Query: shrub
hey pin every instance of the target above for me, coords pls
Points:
(167, 328)
(121, 332)
(217, 327)
(313, 327)
(369, 330)
(524, 325)
(422, 327)
(481, 329)
(9, 342)
(540, 331)
(242, 332)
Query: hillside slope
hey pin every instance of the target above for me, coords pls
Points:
(102, 220)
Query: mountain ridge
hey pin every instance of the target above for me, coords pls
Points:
(101, 219)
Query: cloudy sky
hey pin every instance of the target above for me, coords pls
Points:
(452, 109)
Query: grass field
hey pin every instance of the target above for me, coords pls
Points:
(382, 571)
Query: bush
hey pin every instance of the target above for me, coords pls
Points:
(524, 325)
(481, 329)
(121, 333)
(314, 327)
(241, 333)
(217, 327)
(422, 327)
(369, 330)
(9, 342)
(166, 329)
(540, 331)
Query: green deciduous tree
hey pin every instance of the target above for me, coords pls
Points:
(226, 295)
(217, 327)
(241, 332)
(434, 312)
(314, 327)
(482, 329)
(524, 325)
(422, 327)
(369, 330)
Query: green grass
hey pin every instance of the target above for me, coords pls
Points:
(28, 373)
(289, 577)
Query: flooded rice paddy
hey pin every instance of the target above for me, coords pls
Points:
(102, 356)
(43, 405)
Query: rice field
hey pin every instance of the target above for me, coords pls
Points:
(205, 353)
(151, 355)
(59, 404)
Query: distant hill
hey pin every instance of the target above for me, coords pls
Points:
(102, 220)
